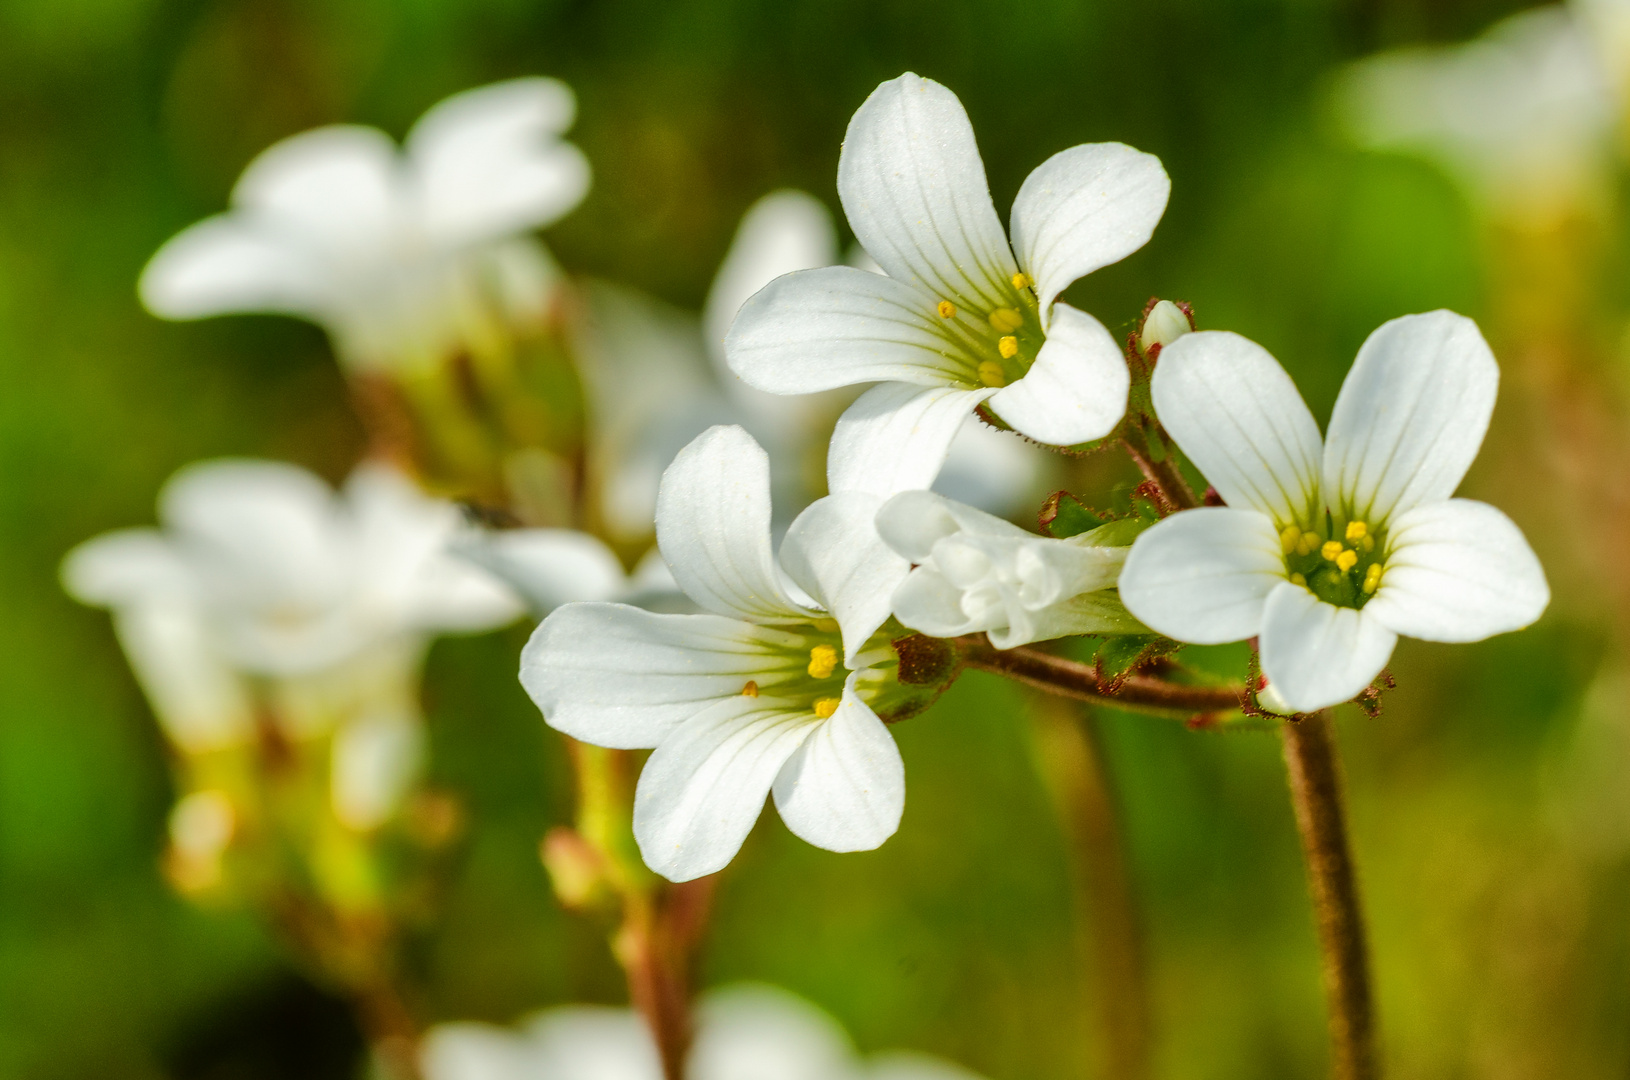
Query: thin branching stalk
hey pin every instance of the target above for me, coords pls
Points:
(1162, 472)
(1068, 678)
(1315, 789)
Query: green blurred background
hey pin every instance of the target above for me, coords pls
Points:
(1496, 891)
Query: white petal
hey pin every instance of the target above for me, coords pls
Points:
(124, 567)
(225, 265)
(1238, 416)
(472, 1051)
(845, 787)
(834, 553)
(615, 675)
(549, 567)
(913, 521)
(1075, 391)
(704, 786)
(374, 760)
(756, 1032)
(993, 470)
(713, 525)
(1202, 575)
(1410, 417)
(587, 1042)
(901, 1065)
(783, 232)
(488, 160)
(895, 437)
(334, 189)
(837, 326)
(1096, 612)
(928, 602)
(200, 702)
(1316, 654)
(914, 189)
(1458, 571)
(1084, 208)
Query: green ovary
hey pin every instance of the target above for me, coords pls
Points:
(1003, 342)
(1339, 562)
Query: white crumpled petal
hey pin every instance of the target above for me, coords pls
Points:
(713, 525)
(844, 789)
(1316, 654)
(1410, 417)
(1085, 208)
(1075, 391)
(914, 189)
(836, 326)
(896, 436)
(832, 551)
(751, 1031)
(1202, 575)
(1458, 571)
(1098, 611)
(617, 676)
(224, 265)
(337, 188)
(488, 160)
(704, 785)
(1239, 418)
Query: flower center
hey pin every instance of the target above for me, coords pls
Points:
(806, 672)
(1340, 566)
(1001, 343)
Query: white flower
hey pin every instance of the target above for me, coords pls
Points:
(956, 319)
(551, 567)
(744, 1032)
(1328, 552)
(400, 256)
(766, 691)
(1523, 117)
(975, 572)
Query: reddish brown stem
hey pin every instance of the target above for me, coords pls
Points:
(1315, 788)
(1164, 474)
(659, 933)
(1068, 678)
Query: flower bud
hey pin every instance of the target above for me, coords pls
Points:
(575, 869)
(1165, 323)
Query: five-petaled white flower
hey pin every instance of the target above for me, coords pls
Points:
(743, 1032)
(1328, 552)
(975, 572)
(266, 592)
(958, 317)
(767, 690)
(400, 256)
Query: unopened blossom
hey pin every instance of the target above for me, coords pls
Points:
(401, 255)
(1329, 550)
(264, 590)
(743, 1032)
(1523, 117)
(959, 317)
(767, 691)
(973, 572)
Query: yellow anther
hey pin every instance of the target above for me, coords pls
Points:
(1021, 280)
(991, 373)
(1298, 579)
(1008, 347)
(1330, 550)
(1347, 560)
(1307, 544)
(1356, 530)
(946, 309)
(823, 660)
(826, 706)
(1372, 578)
(1288, 539)
(1004, 320)
(750, 690)
(826, 626)
(1368, 543)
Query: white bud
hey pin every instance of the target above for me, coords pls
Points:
(1164, 324)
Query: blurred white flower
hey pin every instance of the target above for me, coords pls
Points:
(1329, 549)
(960, 317)
(744, 1032)
(974, 572)
(768, 691)
(401, 256)
(1523, 117)
(551, 567)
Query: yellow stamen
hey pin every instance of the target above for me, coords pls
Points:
(1298, 579)
(1008, 347)
(750, 690)
(826, 706)
(1021, 280)
(1307, 544)
(1347, 560)
(1368, 543)
(1330, 550)
(823, 660)
(946, 309)
(1356, 530)
(991, 373)
(1004, 320)
(1288, 539)
(1372, 578)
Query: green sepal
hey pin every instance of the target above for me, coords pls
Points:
(1120, 655)
(1063, 515)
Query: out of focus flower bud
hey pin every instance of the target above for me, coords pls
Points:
(201, 827)
(575, 869)
(1165, 323)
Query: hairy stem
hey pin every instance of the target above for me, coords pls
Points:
(1163, 473)
(1315, 789)
(1071, 679)
(1070, 756)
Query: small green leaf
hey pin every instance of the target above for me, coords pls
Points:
(1063, 515)
(1119, 655)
